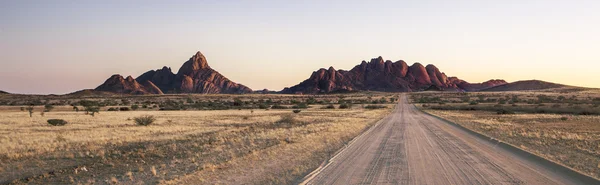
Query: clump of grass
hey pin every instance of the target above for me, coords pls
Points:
(287, 118)
(57, 122)
(564, 118)
(144, 120)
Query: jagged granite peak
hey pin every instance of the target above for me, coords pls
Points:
(194, 76)
(162, 78)
(195, 63)
(383, 75)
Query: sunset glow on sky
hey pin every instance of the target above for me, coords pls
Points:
(64, 46)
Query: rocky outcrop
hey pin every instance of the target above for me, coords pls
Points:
(381, 75)
(161, 78)
(195, 76)
(118, 84)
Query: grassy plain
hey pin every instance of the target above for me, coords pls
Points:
(242, 144)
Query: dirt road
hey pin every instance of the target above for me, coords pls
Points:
(411, 147)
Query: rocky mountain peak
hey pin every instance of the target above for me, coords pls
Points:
(194, 76)
(383, 75)
(195, 63)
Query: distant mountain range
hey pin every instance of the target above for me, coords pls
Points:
(196, 76)
(385, 75)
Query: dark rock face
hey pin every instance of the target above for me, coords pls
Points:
(195, 76)
(162, 78)
(380, 75)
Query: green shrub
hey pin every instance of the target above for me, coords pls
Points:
(375, 107)
(135, 107)
(473, 103)
(48, 108)
(297, 111)
(300, 106)
(263, 106)
(277, 106)
(124, 109)
(504, 111)
(57, 122)
(330, 106)
(564, 118)
(144, 120)
(112, 109)
(345, 106)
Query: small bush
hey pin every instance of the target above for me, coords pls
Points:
(345, 106)
(279, 107)
(297, 111)
(330, 106)
(375, 107)
(263, 106)
(504, 111)
(112, 109)
(57, 122)
(144, 120)
(300, 106)
(134, 107)
(564, 118)
(473, 103)
(124, 109)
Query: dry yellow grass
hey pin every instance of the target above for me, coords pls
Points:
(181, 146)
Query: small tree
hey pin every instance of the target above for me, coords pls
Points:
(76, 109)
(48, 107)
(92, 110)
(30, 110)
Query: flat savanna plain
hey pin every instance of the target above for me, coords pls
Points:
(559, 125)
(196, 139)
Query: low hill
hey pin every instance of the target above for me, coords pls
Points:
(90, 92)
(3, 92)
(525, 85)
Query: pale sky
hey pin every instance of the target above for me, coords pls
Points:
(64, 46)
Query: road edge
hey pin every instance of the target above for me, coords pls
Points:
(318, 170)
(553, 166)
